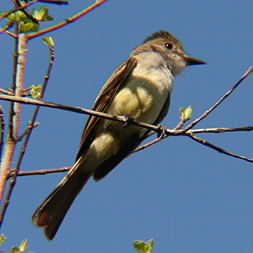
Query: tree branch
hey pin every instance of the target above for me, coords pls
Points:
(15, 111)
(68, 20)
(122, 119)
(221, 99)
(219, 130)
(21, 7)
(1, 130)
(28, 132)
(166, 132)
(39, 172)
(81, 110)
(219, 149)
(6, 27)
(14, 124)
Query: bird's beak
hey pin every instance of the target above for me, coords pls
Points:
(193, 61)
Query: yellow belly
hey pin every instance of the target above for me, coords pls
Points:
(140, 100)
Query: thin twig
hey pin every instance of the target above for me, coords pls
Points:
(180, 124)
(219, 149)
(59, 2)
(14, 84)
(150, 143)
(39, 172)
(189, 133)
(218, 130)
(32, 123)
(6, 27)
(1, 130)
(13, 35)
(6, 14)
(6, 92)
(81, 110)
(148, 126)
(221, 99)
(160, 137)
(28, 131)
(68, 20)
(121, 118)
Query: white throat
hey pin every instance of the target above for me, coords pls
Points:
(152, 66)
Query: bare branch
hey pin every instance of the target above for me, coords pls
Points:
(39, 172)
(27, 135)
(122, 119)
(221, 99)
(165, 134)
(219, 149)
(6, 92)
(221, 130)
(189, 133)
(59, 2)
(27, 130)
(1, 130)
(150, 143)
(6, 27)
(14, 123)
(15, 111)
(13, 35)
(81, 110)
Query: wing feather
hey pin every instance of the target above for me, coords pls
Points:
(104, 99)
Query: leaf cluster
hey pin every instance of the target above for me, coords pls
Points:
(28, 21)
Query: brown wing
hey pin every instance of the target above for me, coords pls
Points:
(164, 111)
(104, 99)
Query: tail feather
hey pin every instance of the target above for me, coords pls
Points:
(53, 209)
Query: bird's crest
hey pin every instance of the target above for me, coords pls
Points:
(162, 34)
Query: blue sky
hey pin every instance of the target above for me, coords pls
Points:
(186, 197)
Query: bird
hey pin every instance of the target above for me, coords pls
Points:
(140, 89)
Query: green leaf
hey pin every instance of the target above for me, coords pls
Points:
(36, 90)
(15, 250)
(143, 247)
(41, 14)
(28, 26)
(3, 238)
(17, 16)
(23, 246)
(49, 41)
(185, 113)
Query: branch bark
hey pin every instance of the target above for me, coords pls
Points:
(15, 115)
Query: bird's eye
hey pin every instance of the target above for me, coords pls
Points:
(168, 45)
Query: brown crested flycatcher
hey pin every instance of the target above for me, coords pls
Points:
(140, 89)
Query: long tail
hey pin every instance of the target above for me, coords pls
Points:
(52, 210)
